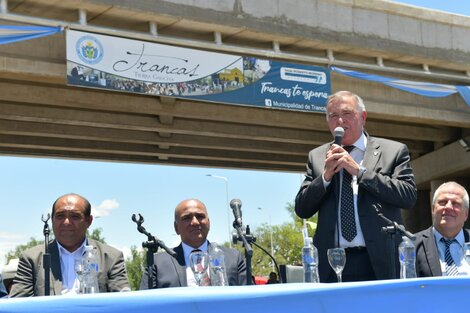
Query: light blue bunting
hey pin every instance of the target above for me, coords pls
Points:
(9, 34)
(419, 88)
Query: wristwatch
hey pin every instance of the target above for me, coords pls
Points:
(362, 170)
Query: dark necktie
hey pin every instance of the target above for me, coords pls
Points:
(348, 222)
(451, 268)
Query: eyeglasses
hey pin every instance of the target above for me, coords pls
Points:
(343, 115)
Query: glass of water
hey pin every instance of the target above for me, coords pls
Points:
(337, 260)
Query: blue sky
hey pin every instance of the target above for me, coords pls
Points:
(461, 7)
(117, 190)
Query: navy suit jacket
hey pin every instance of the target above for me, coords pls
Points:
(427, 255)
(388, 182)
(170, 271)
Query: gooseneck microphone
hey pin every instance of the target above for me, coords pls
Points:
(339, 133)
(236, 206)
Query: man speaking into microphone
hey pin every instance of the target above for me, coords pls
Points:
(344, 180)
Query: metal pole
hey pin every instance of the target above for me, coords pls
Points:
(4, 6)
(225, 179)
(271, 238)
(272, 246)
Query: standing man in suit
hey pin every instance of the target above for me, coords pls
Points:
(192, 224)
(446, 235)
(71, 217)
(380, 176)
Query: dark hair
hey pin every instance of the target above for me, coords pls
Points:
(87, 203)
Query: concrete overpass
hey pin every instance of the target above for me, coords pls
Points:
(41, 116)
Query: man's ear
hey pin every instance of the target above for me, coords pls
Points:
(176, 228)
(90, 220)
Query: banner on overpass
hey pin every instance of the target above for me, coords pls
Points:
(107, 62)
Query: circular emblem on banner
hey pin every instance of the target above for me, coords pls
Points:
(89, 49)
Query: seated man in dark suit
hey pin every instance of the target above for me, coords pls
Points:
(71, 217)
(439, 248)
(192, 224)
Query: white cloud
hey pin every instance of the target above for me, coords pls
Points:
(104, 209)
(8, 242)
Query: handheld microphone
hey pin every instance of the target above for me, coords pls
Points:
(339, 133)
(236, 205)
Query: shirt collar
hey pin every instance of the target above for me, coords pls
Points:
(80, 249)
(188, 249)
(361, 142)
(460, 236)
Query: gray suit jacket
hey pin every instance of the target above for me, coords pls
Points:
(29, 279)
(170, 271)
(388, 182)
(427, 255)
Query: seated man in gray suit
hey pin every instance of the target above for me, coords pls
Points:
(192, 224)
(439, 248)
(71, 217)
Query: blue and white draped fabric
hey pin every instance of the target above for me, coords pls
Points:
(419, 88)
(9, 34)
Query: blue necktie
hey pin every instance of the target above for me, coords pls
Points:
(348, 222)
(451, 268)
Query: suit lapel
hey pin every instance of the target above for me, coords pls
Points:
(432, 254)
(180, 266)
(371, 158)
(372, 153)
(334, 189)
(56, 279)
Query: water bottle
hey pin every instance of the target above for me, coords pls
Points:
(407, 256)
(310, 261)
(90, 275)
(218, 274)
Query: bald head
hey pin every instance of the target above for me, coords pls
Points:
(192, 222)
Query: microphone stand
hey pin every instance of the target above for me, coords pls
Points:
(246, 239)
(392, 230)
(152, 244)
(46, 257)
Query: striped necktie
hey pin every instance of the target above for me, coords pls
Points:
(451, 268)
(204, 278)
(348, 222)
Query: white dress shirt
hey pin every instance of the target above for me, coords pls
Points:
(70, 284)
(187, 251)
(455, 251)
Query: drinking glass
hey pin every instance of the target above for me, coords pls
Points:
(337, 260)
(80, 268)
(199, 262)
(466, 252)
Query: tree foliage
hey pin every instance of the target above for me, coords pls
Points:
(287, 242)
(135, 265)
(96, 234)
